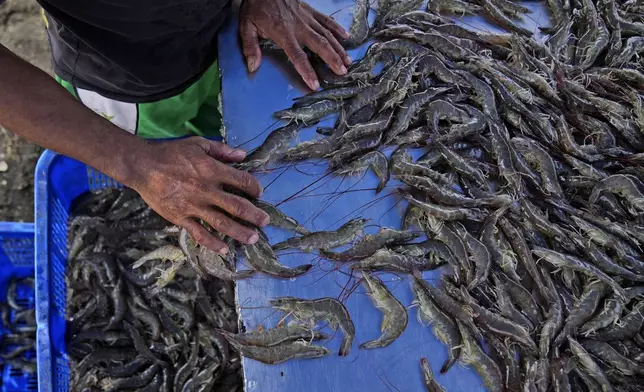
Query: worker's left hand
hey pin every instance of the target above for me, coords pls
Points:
(292, 24)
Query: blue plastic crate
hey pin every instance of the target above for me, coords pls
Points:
(17, 261)
(59, 180)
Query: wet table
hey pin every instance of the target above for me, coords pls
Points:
(324, 202)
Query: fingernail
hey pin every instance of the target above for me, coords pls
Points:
(343, 70)
(261, 192)
(238, 154)
(348, 59)
(266, 220)
(252, 64)
(253, 238)
(223, 250)
(315, 85)
(346, 34)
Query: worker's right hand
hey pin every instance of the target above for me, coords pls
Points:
(183, 181)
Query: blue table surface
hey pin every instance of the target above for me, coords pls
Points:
(325, 202)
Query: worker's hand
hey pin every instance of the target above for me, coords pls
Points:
(183, 181)
(292, 24)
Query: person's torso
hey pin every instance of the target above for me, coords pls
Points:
(134, 50)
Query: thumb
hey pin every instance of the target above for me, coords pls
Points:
(223, 152)
(250, 45)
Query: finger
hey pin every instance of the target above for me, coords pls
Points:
(229, 227)
(322, 47)
(240, 207)
(203, 236)
(339, 49)
(223, 152)
(328, 22)
(301, 62)
(240, 180)
(250, 45)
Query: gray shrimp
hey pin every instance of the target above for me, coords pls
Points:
(272, 147)
(484, 95)
(351, 151)
(554, 318)
(359, 30)
(164, 253)
(493, 11)
(626, 186)
(520, 247)
(589, 365)
(602, 260)
(488, 238)
(387, 260)
(215, 265)
(473, 355)
(409, 109)
(394, 314)
(443, 212)
(274, 336)
(463, 166)
(611, 311)
(561, 260)
(310, 114)
(399, 46)
(507, 308)
(610, 356)
(325, 239)
(451, 197)
(457, 7)
(261, 257)
(374, 126)
(338, 94)
(464, 270)
(374, 160)
(119, 304)
(146, 317)
(455, 48)
(401, 165)
(428, 377)
(311, 149)
(322, 309)
(505, 356)
(281, 352)
(443, 326)
(478, 253)
(403, 84)
(374, 92)
(626, 327)
(190, 248)
(496, 324)
(448, 304)
(541, 159)
(430, 64)
(141, 380)
(582, 310)
(278, 218)
(370, 244)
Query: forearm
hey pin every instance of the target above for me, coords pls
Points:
(35, 107)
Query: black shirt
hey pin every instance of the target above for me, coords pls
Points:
(134, 50)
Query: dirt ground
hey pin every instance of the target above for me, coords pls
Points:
(22, 31)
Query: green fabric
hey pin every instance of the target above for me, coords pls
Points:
(68, 86)
(193, 112)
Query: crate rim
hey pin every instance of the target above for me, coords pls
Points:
(17, 227)
(41, 251)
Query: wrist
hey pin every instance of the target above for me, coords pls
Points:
(120, 155)
(134, 161)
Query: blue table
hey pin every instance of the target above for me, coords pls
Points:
(317, 202)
